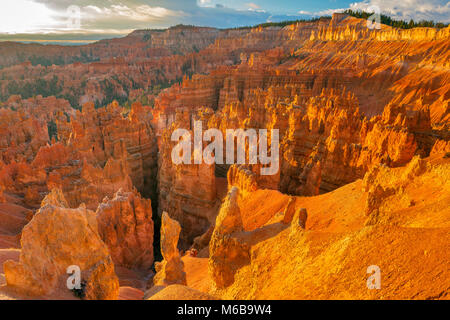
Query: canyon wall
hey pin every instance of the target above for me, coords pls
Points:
(360, 114)
(331, 240)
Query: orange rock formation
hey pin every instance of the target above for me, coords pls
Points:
(345, 229)
(170, 270)
(125, 224)
(54, 240)
(363, 118)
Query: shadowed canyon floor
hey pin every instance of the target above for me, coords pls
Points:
(364, 177)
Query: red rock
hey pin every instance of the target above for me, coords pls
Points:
(170, 270)
(55, 239)
(126, 226)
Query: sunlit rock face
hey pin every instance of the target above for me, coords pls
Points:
(363, 118)
(105, 133)
(286, 243)
(228, 252)
(338, 114)
(326, 142)
(187, 192)
(125, 224)
(98, 152)
(56, 239)
(170, 270)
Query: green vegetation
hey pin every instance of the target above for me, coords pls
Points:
(357, 14)
(45, 88)
(55, 87)
(52, 130)
(44, 61)
(108, 90)
(147, 37)
(188, 68)
(283, 24)
(185, 26)
(33, 88)
(396, 23)
(73, 99)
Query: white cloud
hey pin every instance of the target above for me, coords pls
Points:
(253, 6)
(21, 16)
(143, 13)
(156, 11)
(117, 16)
(438, 10)
(126, 15)
(328, 12)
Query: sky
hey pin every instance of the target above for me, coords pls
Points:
(95, 19)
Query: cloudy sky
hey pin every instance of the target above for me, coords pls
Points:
(97, 18)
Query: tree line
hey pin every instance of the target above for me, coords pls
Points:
(401, 24)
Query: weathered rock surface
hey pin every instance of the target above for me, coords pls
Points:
(102, 134)
(99, 152)
(170, 270)
(350, 104)
(330, 254)
(55, 198)
(227, 253)
(55, 239)
(125, 224)
(187, 192)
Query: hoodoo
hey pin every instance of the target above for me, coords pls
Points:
(293, 160)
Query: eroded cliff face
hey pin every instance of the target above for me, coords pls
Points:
(98, 152)
(341, 104)
(142, 60)
(138, 45)
(187, 192)
(325, 141)
(103, 134)
(54, 240)
(349, 103)
(330, 241)
(170, 270)
(343, 27)
(24, 125)
(125, 225)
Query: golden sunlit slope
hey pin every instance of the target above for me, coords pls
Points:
(405, 231)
